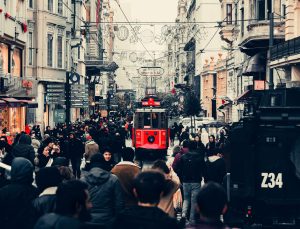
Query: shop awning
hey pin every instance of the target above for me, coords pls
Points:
(30, 104)
(12, 102)
(2, 103)
(243, 97)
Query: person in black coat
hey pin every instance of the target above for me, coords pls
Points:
(148, 189)
(76, 151)
(47, 180)
(211, 146)
(24, 148)
(16, 210)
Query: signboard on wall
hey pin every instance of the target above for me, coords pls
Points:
(59, 116)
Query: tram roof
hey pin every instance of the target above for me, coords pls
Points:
(144, 110)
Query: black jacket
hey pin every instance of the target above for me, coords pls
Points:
(45, 203)
(138, 217)
(215, 169)
(16, 209)
(105, 193)
(24, 148)
(191, 167)
(75, 148)
(55, 221)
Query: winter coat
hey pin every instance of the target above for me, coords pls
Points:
(91, 148)
(76, 148)
(210, 225)
(55, 221)
(16, 210)
(24, 148)
(216, 169)
(191, 167)
(178, 156)
(126, 172)
(105, 194)
(45, 203)
(139, 217)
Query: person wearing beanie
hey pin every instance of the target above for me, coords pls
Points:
(16, 210)
(47, 180)
(24, 148)
(105, 192)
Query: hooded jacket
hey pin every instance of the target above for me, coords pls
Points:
(16, 210)
(216, 169)
(24, 148)
(126, 171)
(105, 194)
(91, 148)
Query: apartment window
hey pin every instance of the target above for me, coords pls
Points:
(242, 21)
(50, 5)
(30, 51)
(50, 50)
(229, 14)
(59, 52)
(60, 7)
(30, 3)
(263, 9)
(66, 54)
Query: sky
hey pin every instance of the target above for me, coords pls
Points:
(142, 11)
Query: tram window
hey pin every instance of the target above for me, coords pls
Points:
(295, 157)
(139, 120)
(155, 119)
(147, 120)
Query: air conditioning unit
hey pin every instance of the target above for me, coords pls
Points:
(3, 84)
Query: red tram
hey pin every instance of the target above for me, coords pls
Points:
(150, 134)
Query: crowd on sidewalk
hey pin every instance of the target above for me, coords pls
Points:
(84, 176)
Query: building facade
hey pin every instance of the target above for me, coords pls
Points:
(17, 86)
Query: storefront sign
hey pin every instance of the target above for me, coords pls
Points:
(59, 116)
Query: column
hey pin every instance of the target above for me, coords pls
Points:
(40, 109)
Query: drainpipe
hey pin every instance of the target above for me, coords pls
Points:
(271, 43)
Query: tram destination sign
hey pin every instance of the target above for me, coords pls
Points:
(151, 71)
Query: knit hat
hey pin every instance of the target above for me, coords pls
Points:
(48, 177)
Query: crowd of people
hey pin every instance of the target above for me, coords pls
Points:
(84, 176)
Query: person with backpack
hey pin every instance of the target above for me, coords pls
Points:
(191, 170)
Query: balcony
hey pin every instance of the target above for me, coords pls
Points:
(286, 49)
(256, 38)
(229, 33)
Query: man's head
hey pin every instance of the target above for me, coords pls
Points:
(48, 177)
(128, 154)
(192, 145)
(72, 199)
(21, 171)
(212, 201)
(149, 187)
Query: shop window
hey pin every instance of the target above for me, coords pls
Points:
(50, 50)
(59, 52)
(16, 66)
(4, 58)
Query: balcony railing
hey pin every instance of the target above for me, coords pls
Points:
(285, 49)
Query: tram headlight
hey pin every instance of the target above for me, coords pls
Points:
(151, 139)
